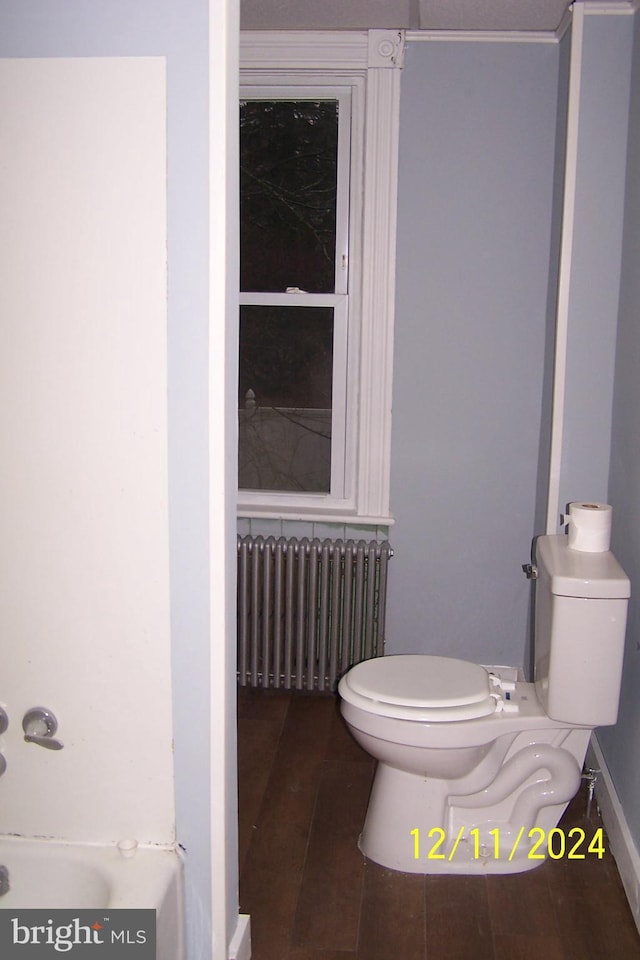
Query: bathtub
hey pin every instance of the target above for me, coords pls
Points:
(51, 874)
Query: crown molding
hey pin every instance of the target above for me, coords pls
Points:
(590, 8)
(483, 36)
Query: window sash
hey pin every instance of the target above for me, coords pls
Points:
(340, 467)
(343, 464)
(342, 94)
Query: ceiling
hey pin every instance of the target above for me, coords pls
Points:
(491, 14)
(466, 15)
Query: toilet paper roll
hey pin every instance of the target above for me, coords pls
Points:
(589, 526)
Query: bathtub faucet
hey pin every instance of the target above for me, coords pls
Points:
(39, 725)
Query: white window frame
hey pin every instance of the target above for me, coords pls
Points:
(369, 63)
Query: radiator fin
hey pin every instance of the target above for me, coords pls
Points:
(308, 609)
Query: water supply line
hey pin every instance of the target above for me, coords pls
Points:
(591, 776)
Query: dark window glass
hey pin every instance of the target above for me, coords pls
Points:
(288, 170)
(286, 360)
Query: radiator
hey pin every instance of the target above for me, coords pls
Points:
(308, 609)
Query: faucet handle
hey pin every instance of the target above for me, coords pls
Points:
(39, 725)
(4, 720)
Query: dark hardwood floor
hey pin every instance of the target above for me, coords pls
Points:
(304, 785)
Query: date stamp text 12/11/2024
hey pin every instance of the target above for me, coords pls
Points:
(556, 844)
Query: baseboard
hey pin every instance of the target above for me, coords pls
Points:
(240, 946)
(622, 846)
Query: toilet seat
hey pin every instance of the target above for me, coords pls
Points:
(418, 687)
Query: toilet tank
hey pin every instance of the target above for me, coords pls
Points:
(581, 604)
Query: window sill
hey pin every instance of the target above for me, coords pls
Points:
(313, 516)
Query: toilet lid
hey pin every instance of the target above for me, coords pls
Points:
(438, 687)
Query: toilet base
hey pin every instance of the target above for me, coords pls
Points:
(423, 825)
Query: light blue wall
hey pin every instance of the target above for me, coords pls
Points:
(477, 182)
(179, 31)
(595, 268)
(621, 744)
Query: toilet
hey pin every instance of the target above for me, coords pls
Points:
(475, 767)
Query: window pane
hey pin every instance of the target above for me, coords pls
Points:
(284, 404)
(288, 171)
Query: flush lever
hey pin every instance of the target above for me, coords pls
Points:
(39, 725)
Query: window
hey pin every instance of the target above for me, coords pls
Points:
(318, 133)
(294, 226)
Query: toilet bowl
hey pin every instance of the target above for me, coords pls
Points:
(475, 768)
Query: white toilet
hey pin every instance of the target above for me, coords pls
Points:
(475, 768)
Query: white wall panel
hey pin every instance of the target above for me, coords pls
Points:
(84, 606)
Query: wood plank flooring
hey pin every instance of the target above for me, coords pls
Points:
(303, 791)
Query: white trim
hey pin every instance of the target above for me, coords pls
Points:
(223, 273)
(605, 7)
(623, 848)
(304, 50)
(339, 400)
(564, 277)
(372, 58)
(345, 169)
(348, 518)
(378, 289)
(386, 48)
(240, 945)
(291, 299)
(483, 36)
